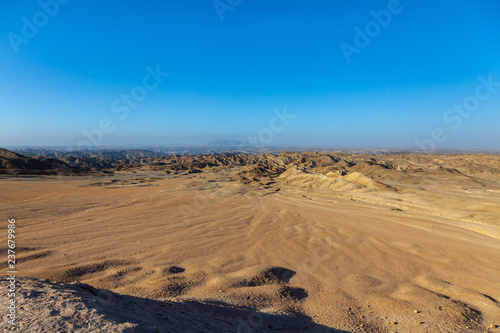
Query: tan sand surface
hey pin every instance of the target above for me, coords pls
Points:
(412, 252)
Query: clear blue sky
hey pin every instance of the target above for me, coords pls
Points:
(226, 76)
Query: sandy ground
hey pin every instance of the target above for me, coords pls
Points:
(409, 256)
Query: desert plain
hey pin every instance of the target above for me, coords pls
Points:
(289, 242)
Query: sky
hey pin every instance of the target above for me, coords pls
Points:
(394, 74)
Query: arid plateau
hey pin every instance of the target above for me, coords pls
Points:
(288, 242)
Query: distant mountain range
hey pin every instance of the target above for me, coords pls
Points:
(375, 166)
(225, 142)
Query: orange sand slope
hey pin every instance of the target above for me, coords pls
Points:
(364, 251)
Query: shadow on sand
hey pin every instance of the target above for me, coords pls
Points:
(189, 316)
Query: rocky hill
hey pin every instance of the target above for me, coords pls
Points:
(12, 163)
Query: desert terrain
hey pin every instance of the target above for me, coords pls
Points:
(290, 242)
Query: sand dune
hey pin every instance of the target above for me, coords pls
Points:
(273, 235)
